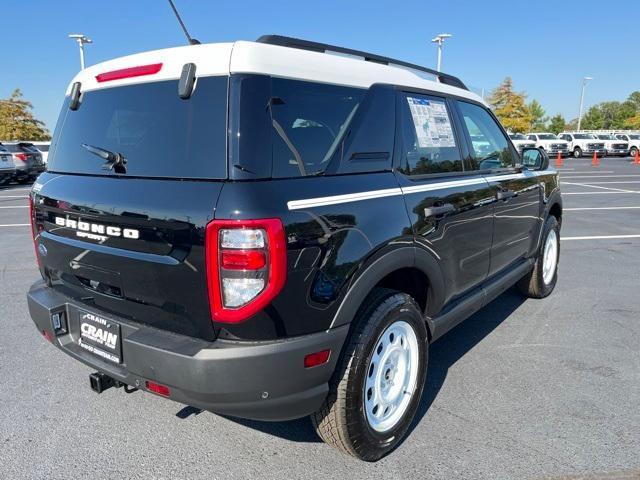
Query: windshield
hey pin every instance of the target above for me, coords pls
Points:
(158, 133)
(547, 136)
(517, 136)
(584, 136)
(42, 148)
(634, 137)
(607, 137)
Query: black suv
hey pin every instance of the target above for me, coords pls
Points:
(268, 231)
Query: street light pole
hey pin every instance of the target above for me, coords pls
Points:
(584, 84)
(439, 39)
(81, 39)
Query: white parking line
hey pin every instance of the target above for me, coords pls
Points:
(18, 206)
(597, 193)
(13, 196)
(591, 185)
(16, 225)
(600, 237)
(612, 183)
(598, 208)
(602, 176)
(590, 172)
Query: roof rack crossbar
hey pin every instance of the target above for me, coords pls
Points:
(369, 57)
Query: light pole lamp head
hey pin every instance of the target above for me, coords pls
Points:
(439, 39)
(80, 38)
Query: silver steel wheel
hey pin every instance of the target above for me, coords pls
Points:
(391, 376)
(550, 257)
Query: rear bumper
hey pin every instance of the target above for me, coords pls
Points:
(256, 380)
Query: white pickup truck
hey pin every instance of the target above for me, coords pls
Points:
(550, 143)
(614, 146)
(520, 142)
(633, 139)
(581, 143)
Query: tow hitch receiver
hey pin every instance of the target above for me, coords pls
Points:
(100, 382)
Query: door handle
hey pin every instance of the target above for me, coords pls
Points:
(439, 210)
(505, 194)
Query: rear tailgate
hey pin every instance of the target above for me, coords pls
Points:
(128, 237)
(131, 247)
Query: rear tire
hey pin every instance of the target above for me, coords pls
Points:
(376, 388)
(577, 152)
(541, 281)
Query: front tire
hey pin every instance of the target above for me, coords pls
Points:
(633, 151)
(376, 389)
(542, 279)
(577, 152)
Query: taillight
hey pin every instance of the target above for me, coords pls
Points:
(20, 156)
(129, 72)
(246, 266)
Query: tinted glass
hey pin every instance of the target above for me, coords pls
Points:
(548, 136)
(158, 133)
(490, 146)
(309, 120)
(12, 147)
(634, 137)
(427, 135)
(42, 148)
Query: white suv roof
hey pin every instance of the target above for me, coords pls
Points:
(265, 58)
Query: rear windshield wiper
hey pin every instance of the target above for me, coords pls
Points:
(114, 160)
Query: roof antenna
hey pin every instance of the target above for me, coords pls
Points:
(192, 41)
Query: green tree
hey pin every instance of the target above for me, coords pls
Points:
(557, 124)
(634, 98)
(17, 121)
(593, 119)
(632, 123)
(538, 118)
(510, 108)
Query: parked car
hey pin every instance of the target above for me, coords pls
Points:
(550, 143)
(613, 145)
(7, 167)
(43, 148)
(301, 268)
(521, 142)
(583, 143)
(633, 139)
(27, 159)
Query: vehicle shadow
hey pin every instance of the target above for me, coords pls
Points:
(444, 353)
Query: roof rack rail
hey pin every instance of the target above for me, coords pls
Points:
(369, 57)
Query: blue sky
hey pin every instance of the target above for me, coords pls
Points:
(545, 46)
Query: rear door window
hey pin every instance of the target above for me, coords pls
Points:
(158, 133)
(427, 133)
(490, 147)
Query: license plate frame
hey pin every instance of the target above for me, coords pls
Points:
(100, 336)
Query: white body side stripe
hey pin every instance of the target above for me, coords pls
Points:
(390, 192)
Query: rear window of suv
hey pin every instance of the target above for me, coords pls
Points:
(158, 133)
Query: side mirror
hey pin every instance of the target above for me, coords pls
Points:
(535, 159)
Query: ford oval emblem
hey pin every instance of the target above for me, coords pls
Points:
(42, 249)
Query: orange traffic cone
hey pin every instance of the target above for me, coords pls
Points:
(595, 162)
(559, 160)
(636, 161)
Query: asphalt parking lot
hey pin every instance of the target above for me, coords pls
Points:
(522, 390)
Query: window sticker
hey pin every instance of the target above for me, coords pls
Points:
(432, 123)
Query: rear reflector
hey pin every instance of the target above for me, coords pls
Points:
(317, 358)
(243, 259)
(158, 388)
(129, 72)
